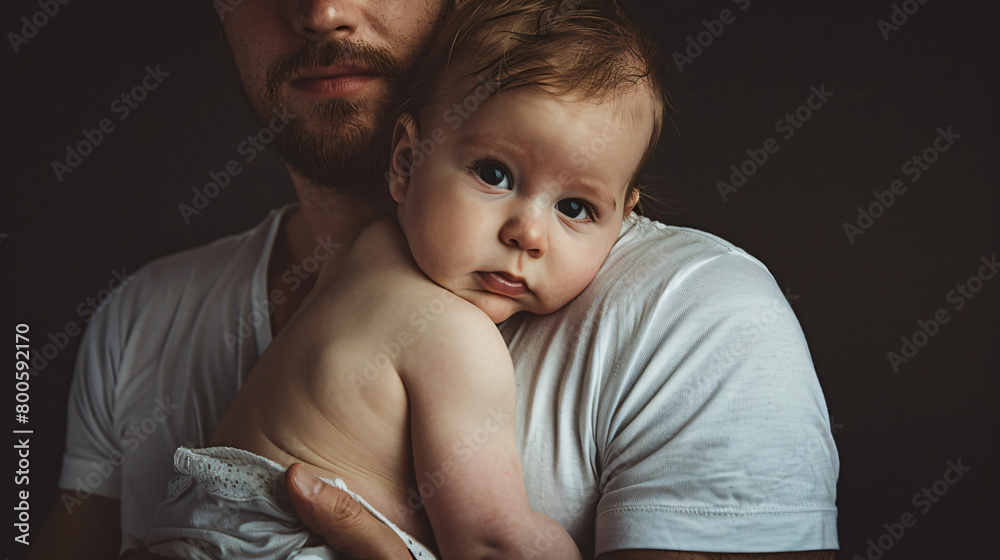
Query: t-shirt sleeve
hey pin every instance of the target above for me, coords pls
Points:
(720, 440)
(93, 452)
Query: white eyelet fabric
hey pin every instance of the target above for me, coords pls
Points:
(230, 503)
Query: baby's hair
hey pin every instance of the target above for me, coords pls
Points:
(586, 47)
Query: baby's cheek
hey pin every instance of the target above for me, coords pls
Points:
(588, 270)
(572, 284)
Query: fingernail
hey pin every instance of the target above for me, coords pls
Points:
(307, 483)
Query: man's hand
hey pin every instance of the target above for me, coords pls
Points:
(340, 520)
(348, 528)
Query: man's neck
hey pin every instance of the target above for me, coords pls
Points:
(326, 218)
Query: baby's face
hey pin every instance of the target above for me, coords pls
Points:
(515, 206)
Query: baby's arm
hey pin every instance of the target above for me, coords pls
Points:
(460, 383)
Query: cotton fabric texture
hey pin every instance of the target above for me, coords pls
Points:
(231, 503)
(671, 405)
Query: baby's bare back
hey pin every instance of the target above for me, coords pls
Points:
(326, 392)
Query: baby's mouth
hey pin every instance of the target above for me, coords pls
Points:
(503, 283)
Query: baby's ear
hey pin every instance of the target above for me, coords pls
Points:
(632, 198)
(404, 136)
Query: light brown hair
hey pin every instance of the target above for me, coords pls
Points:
(589, 47)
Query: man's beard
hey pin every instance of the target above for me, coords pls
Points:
(340, 143)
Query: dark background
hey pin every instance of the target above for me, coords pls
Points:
(896, 431)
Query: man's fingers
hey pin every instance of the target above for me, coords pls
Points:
(337, 517)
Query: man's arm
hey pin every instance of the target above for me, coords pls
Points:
(738, 393)
(89, 527)
(347, 527)
(91, 531)
(724, 437)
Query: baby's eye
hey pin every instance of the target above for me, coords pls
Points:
(493, 175)
(575, 208)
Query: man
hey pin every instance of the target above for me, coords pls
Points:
(675, 408)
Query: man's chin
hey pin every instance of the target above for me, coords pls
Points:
(337, 172)
(344, 156)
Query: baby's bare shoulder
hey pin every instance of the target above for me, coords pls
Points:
(453, 339)
(381, 280)
(376, 269)
(380, 246)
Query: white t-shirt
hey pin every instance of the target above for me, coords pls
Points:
(672, 405)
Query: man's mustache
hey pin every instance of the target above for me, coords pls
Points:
(312, 54)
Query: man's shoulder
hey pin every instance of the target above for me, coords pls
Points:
(234, 253)
(659, 280)
(213, 273)
(234, 257)
(651, 258)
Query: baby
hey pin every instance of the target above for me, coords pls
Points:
(513, 164)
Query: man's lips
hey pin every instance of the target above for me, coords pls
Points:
(335, 81)
(503, 283)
